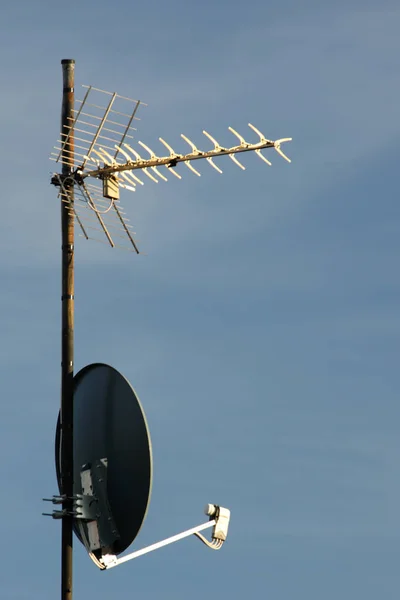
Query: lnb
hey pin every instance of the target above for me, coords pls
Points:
(210, 510)
(221, 516)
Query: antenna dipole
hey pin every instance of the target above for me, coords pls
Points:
(67, 333)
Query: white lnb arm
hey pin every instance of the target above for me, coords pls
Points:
(219, 519)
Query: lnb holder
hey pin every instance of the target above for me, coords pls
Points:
(219, 520)
(221, 516)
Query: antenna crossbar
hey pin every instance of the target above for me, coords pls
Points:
(173, 159)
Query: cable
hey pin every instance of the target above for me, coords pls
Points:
(96, 210)
(91, 204)
(214, 545)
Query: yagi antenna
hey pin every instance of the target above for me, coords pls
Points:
(103, 450)
(105, 160)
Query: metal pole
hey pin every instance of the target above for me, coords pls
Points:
(67, 340)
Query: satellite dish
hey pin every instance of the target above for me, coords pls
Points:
(112, 461)
(113, 471)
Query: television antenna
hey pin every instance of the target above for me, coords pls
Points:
(98, 158)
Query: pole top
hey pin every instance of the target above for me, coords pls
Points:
(68, 61)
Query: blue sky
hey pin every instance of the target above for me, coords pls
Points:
(261, 330)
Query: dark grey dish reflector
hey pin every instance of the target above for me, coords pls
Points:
(110, 426)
